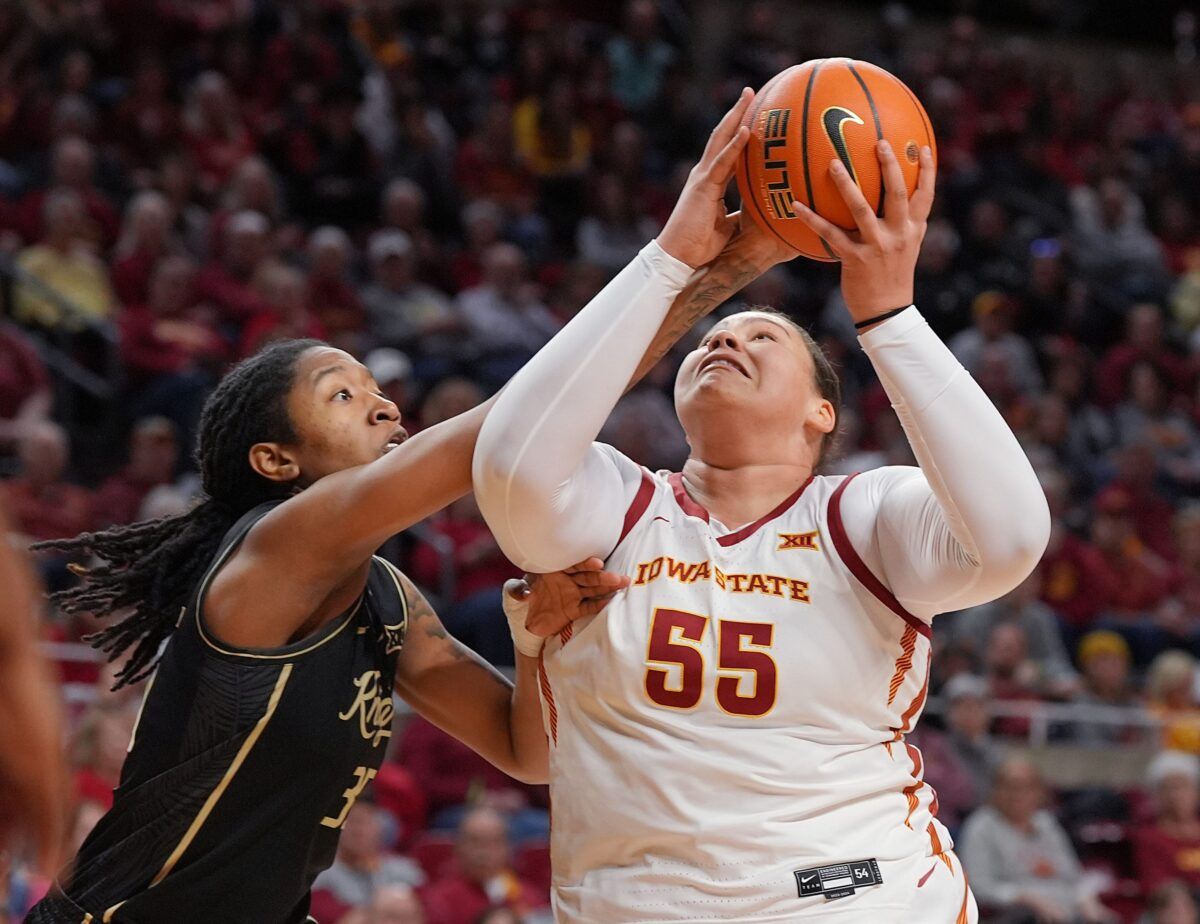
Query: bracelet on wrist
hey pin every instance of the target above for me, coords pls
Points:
(859, 325)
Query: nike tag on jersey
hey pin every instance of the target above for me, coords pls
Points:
(839, 880)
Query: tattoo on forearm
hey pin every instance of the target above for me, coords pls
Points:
(422, 618)
(718, 282)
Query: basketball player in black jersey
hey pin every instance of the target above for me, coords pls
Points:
(270, 709)
(270, 706)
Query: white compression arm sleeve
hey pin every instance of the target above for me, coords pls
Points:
(552, 497)
(972, 521)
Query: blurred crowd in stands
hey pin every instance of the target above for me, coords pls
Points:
(438, 187)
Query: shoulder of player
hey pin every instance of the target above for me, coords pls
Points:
(874, 483)
(417, 607)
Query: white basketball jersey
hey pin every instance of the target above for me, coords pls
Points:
(737, 715)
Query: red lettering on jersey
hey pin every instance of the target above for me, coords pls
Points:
(757, 583)
(776, 584)
(799, 590)
(737, 582)
(681, 570)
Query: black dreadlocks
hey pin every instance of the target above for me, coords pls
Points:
(154, 566)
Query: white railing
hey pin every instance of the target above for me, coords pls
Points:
(1042, 716)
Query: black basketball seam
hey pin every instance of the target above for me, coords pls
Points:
(878, 130)
(766, 222)
(812, 78)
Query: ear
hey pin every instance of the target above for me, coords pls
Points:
(274, 462)
(822, 417)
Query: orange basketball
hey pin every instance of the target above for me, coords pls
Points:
(808, 115)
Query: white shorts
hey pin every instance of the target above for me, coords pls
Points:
(918, 890)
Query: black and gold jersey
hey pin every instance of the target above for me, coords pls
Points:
(242, 768)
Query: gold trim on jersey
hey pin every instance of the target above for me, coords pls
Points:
(283, 656)
(110, 912)
(396, 575)
(216, 794)
(394, 635)
(216, 566)
(87, 919)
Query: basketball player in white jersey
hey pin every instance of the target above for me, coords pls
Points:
(727, 738)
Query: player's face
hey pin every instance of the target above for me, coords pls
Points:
(748, 361)
(339, 415)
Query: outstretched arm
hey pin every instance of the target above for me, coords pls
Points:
(972, 522)
(550, 495)
(462, 694)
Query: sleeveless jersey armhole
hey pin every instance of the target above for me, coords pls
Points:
(237, 533)
(396, 574)
(857, 567)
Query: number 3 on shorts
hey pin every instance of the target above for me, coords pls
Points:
(675, 663)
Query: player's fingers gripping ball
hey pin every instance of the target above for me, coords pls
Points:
(802, 120)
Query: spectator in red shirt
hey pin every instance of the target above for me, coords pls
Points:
(331, 297)
(253, 187)
(1145, 339)
(283, 289)
(483, 878)
(1132, 576)
(214, 131)
(451, 775)
(99, 750)
(1168, 848)
(153, 455)
(171, 349)
(488, 166)
(479, 565)
(1011, 674)
(72, 167)
(146, 122)
(227, 283)
(42, 504)
(1074, 582)
(169, 334)
(480, 570)
(145, 239)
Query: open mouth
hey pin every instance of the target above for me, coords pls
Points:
(723, 361)
(397, 437)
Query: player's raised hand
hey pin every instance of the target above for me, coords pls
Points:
(879, 259)
(699, 228)
(555, 600)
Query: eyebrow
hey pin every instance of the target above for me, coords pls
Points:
(328, 370)
(768, 320)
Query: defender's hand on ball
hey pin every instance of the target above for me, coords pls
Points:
(880, 258)
(699, 228)
(557, 599)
